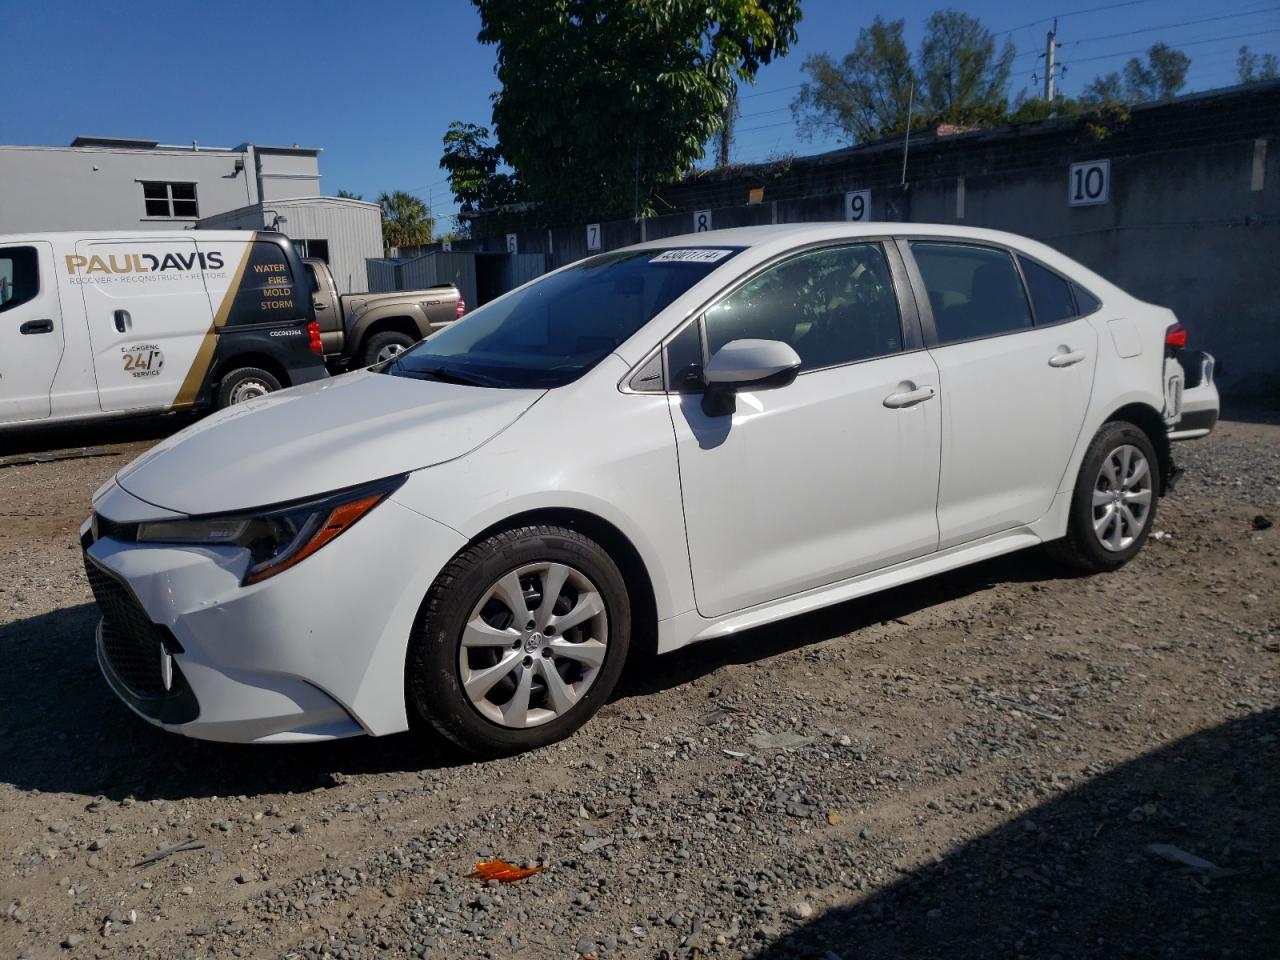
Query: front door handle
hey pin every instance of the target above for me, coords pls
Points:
(124, 322)
(37, 326)
(1065, 357)
(908, 395)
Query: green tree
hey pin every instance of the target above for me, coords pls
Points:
(724, 136)
(965, 79)
(1251, 68)
(406, 220)
(348, 195)
(472, 162)
(1162, 75)
(601, 100)
(865, 95)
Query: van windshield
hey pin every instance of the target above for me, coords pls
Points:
(557, 328)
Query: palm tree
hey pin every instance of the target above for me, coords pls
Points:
(348, 195)
(406, 220)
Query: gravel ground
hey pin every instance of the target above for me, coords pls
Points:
(1002, 761)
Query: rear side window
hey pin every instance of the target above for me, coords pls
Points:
(266, 291)
(974, 291)
(19, 276)
(833, 306)
(1050, 294)
(1086, 302)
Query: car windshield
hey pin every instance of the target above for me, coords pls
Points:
(556, 329)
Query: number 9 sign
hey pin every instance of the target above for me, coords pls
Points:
(857, 206)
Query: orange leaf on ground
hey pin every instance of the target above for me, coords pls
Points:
(501, 871)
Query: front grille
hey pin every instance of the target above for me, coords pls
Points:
(132, 644)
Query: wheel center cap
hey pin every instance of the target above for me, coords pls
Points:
(534, 643)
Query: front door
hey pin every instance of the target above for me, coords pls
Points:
(1015, 386)
(32, 334)
(148, 314)
(830, 477)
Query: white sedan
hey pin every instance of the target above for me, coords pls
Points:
(662, 444)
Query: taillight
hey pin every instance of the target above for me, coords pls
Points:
(1175, 338)
(313, 332)
(460, 308)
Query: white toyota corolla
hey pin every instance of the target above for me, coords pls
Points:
(674, 441)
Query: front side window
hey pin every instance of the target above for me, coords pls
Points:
(1050, 294)
(974, 291)
(554, 330)
(171, 200)
(19, 276)
(832, 306)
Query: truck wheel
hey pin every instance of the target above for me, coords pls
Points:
(1114, 503)
(520, 640)
(384, 346)
(245, 383)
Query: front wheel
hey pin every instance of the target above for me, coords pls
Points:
(245, 383)
(519, 641)
(1113, 506)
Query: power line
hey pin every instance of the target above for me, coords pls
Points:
(1190, 43)
(1072, 13)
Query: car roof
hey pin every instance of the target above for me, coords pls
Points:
(799, 233)
(56, 235)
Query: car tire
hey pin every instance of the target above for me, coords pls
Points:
(1113, 506)
(445, 680)
(245, 383)
(382, 346)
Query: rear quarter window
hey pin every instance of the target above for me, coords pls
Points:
(1051, 296)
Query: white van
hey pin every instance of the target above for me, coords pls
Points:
(103, 324)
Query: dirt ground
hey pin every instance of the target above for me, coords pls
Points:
(1002, 761)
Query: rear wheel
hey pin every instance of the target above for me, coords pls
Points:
(245, 383)
(520, 640)
(1114, 503)
(384, 346)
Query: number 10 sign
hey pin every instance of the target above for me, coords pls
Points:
(1089, 183)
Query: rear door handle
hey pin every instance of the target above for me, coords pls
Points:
(37, 326)
(321, 305)
(124, 322)
(1065, 357)
(908, 395)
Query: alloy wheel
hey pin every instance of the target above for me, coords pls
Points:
(533, 645)
(1122, 495)
(389, 351)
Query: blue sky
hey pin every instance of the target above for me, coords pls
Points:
(376, 83)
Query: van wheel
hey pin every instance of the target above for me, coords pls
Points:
(1113, 507)
(245, 383)
(384, 346)
(520, 640)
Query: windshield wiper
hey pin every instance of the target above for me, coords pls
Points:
(443, 374)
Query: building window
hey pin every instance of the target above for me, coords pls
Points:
(172, 200)
(315, 249)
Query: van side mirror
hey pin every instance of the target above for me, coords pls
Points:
(746, 365)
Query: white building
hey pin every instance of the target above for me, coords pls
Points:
(107, 183)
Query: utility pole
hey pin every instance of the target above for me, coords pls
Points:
(1051, 42)
(906, 137)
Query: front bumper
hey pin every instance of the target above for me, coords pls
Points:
(314, 653)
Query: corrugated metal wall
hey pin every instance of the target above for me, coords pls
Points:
(456, 268)
(352, 227)
(383, 276)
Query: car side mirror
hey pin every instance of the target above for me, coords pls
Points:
(746, 365)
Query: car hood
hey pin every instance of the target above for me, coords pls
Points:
(319, 437)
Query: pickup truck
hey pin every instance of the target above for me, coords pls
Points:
(358, 329)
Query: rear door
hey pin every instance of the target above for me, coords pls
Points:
(32, 334)
(148, 314)
(1015, 384)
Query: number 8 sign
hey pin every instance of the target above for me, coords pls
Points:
(701, 220)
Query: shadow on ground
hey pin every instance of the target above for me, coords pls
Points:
(1074, 877)
(62, 730)
(39, 440)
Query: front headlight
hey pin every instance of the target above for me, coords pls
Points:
(277, 538)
